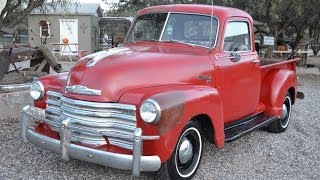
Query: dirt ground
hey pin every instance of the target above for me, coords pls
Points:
(315, 60)
(20, 77)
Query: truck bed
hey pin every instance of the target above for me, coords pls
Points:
(267, 65)
(267, 62)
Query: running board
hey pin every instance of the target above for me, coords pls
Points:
(240, 128)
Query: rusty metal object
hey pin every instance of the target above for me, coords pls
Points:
(36, 63)
(23, 52)
(20, 54)
(18, 45)
(13, 55)
(50, 59)
(4, 66)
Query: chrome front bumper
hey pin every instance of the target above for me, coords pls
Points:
(136, 162)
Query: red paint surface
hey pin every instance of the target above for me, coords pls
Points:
(146, 69)
(54, 83)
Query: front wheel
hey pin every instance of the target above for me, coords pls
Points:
(281, 124)
(186, 156)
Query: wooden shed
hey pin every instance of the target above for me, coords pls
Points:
(76, 22)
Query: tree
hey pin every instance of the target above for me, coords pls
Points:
(315, 35)
(131, 7)
(16, 10)
(282, 17)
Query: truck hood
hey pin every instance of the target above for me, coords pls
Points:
(116, 71)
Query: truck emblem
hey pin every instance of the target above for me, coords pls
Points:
(206, 78)
(78, 89)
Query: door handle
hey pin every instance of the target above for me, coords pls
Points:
(256, 61)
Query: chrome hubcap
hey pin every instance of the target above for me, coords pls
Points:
(285, 116)
(284, 111)
(185, 151)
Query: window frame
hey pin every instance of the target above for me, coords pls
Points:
(49, 32)
(199, 14)
(166, 22)
(250, 35)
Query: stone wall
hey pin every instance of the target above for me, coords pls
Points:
(12, 103)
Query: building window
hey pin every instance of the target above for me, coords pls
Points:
(44, 29)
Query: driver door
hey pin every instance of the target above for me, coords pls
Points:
(239, 71)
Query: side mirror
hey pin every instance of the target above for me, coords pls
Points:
(235, 57)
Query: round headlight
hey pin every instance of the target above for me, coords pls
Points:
(36, 90)
(150, 111)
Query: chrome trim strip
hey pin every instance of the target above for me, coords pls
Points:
(137, 153)
(147, 138)
(79, 89)
(15, 87)
(97, 114)
(53, 117)
(99, 105)
(52, 93)
(135, 162)
(53, 110)
(164, 26)
(25, 123)
(52, 102)
(88, 119)
(150, 138)
(95, 125)
(26, 111)
(113, 160)
(65, 139)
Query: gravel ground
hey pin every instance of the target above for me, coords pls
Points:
(294, 154)
(20, 77)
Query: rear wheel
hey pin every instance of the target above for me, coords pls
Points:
(186, 156)
(281, 124)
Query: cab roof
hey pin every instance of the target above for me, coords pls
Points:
(218, 11)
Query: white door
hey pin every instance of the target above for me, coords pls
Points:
(69, 30)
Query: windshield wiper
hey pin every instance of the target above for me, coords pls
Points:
(178, 41)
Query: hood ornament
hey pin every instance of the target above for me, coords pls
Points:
(78, 89)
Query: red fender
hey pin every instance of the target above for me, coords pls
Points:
(178, 105)
(275, 86)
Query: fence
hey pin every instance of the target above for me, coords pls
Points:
(8, 39)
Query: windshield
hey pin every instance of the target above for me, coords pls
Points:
(148, 27)
(180, 28)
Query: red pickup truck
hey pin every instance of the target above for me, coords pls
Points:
(185, 73)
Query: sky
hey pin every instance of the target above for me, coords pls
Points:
(102, 3)
(2, 4)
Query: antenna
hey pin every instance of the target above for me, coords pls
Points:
(211, 29)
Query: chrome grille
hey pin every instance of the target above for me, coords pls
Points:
(91, 121)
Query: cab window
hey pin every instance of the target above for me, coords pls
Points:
(237, 36)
